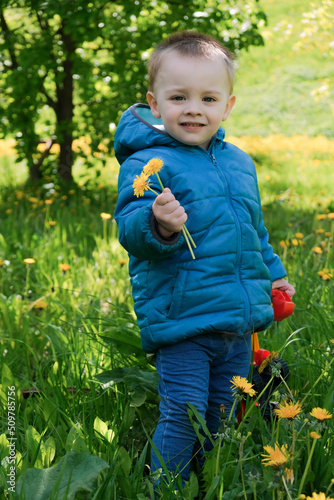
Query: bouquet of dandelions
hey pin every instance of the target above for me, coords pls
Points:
(141, 184)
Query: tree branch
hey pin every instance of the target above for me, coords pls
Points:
(49, 99)
(35, 169)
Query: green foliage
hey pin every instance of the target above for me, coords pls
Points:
(74, 472)
(70, 69)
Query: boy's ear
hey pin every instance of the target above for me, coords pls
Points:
(153, 104)
(229, 106)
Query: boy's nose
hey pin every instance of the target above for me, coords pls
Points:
(193, 108)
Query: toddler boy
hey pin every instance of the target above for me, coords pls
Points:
(197, 315)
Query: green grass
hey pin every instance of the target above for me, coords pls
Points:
(86, 401)
(274, 83)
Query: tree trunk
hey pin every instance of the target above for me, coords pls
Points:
(64, 112)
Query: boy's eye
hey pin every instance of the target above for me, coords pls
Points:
(209, 99)
(177, 98)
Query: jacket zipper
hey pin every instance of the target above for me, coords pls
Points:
(238, 226)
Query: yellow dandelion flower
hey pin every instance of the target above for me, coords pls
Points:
(122, 262)
(105, 216)
(299, 236)
(317, 250)
(315, 435)
(19, 195)
(71, 191)
(1, 263)
(327, 234)
(276, 456)
(288, 410)
(48, 202)
(29, 261)
(320, 414)
(289, 475)
(64, 267)
(32, 199)
(318, 496)
(326, 276)
(9, 211)
(321, 216)
(265, 362)
(319, 231)
(331, 215)
(241, 384)
(331, 340)
(295, 242)
(52, 223)
(282, 244)
(140, 184)
(153, 166)
(40, 304)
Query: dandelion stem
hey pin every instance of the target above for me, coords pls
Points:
(286, 386)
(188, 243)
(241, 449)
(189, 236)
(218, 455)
(161, 185)
(306, 468)
(105, 230)
(185, 231)
(254, 490)
(286, 488)
(232, 409)
(153, 191)
(27, 281)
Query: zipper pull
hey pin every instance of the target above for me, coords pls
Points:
(213, 159)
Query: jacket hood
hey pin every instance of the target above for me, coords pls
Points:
(138, 129)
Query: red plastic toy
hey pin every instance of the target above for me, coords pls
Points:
(283, 307)
(282, 304)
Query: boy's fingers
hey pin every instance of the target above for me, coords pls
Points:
(164, 198)
(168, 208)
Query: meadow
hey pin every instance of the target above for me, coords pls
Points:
(77, 392)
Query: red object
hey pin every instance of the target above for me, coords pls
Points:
(260, 355)
(282, 304)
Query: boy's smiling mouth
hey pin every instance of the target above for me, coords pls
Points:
(190, 124)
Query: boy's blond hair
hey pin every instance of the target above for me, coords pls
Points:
(192, 44)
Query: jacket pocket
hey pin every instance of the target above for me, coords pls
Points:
(178, 294)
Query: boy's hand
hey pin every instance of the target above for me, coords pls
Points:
(285, 286)
(168, 213)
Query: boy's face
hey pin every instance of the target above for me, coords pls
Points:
(191, 96)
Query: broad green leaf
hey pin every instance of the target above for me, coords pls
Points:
(74, 472)
(100, 426)
(124, 460)
(48, 450)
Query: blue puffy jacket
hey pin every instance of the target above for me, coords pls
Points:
(228, 287)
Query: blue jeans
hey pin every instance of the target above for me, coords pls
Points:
(197, 371)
